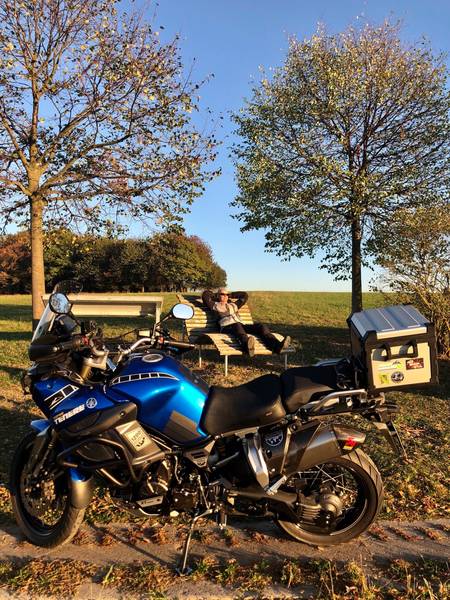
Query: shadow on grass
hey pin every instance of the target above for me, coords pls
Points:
(14, 424)
(16, 336)
(442, 390)
(14, 372)
(15, 312)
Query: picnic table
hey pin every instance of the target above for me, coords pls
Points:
(114, 305)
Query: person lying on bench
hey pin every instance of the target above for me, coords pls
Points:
(227, 312)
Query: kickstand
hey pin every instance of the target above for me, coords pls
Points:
(183, 570)
(222, 519)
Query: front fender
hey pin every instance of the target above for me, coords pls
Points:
(81, 486)
(40, 425)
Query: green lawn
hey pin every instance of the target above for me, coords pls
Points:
(316, 322)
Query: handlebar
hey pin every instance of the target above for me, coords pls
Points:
(74, 343)
(77, 342)
(181, 345)
(163, 343)
(140, 342)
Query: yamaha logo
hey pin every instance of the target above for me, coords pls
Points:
(91, 403)
(274, 439)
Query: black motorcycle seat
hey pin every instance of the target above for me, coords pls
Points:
(301, 385)
(252, 404)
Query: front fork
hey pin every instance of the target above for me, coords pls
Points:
(81, 486)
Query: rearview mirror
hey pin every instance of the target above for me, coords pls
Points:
(59, 304)
(182, 311)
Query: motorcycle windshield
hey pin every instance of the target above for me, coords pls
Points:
(67, 286)
(45, 323)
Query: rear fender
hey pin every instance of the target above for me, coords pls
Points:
(81, 486)
(327, 443)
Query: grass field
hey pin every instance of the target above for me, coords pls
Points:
(316, 322)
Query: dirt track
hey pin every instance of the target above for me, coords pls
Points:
(246, 541)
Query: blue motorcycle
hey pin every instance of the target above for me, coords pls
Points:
(163, 442)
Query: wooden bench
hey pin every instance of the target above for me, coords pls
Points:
(202, 330)
(114, 305)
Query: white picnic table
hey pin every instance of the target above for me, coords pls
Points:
(114, 305)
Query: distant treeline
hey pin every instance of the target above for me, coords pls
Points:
(170, 261)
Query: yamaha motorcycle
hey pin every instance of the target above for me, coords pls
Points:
(163, 442)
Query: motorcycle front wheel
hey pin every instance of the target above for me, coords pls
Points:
(342, 498)
(41, 504)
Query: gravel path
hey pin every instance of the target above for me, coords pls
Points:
(247, 541)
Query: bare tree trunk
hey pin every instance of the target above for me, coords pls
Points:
(356, 266)
(37, 258)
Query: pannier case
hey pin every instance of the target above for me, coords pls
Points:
(395, 346)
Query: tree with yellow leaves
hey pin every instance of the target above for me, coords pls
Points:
(352, 128)
(415, 257)
(94, 121)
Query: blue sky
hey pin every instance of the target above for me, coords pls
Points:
(231, 39)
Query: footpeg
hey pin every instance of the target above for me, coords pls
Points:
(272, 489)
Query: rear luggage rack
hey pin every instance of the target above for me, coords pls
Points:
(345, 401)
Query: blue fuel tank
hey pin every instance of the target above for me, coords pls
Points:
(170, 399)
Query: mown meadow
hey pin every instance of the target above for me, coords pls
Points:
(316, 322)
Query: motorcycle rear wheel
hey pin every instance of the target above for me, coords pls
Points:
(41, 506)
(353, 475)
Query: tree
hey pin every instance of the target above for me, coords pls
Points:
(134, 266)
(416, 263)
(96, 266)
(176, 262)
(180, 262)
(61, 255)
(15, 264)
(351, 128)
(169, 260)
(94, 121)
(217, 277)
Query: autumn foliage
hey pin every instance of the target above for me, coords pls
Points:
(170, 261)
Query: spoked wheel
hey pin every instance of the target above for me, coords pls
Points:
(41, 503)
(339, 500)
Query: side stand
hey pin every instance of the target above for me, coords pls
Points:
(183, 570)
(222, 519)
